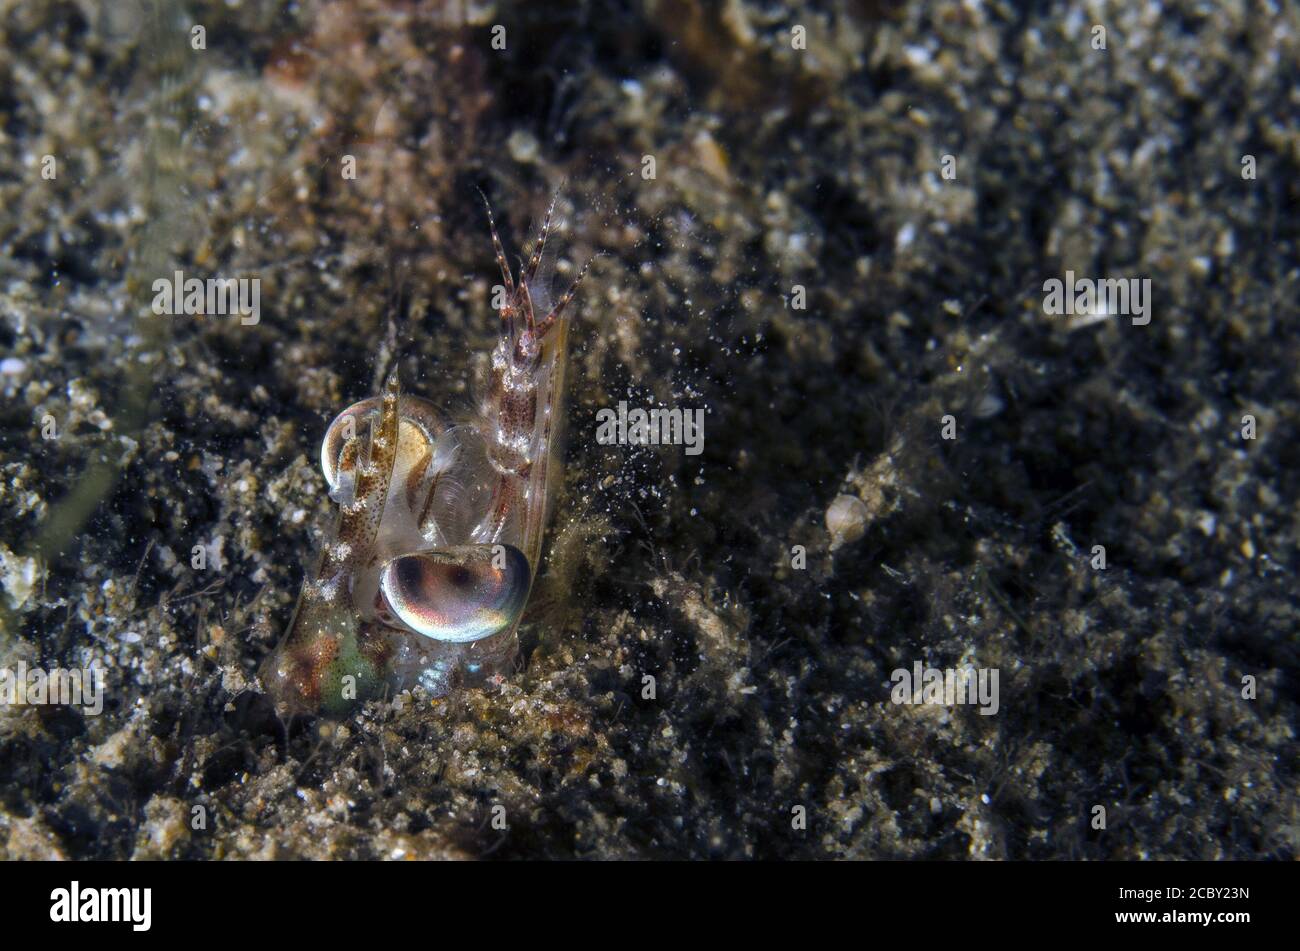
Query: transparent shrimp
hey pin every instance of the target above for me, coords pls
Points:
(436, 541)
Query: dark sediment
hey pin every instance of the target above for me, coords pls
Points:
(775, 167)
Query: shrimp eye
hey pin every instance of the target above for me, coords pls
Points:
(457, 594)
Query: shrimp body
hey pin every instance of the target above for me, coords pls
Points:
(428, 566)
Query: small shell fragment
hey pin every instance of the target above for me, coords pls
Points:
(846, 520)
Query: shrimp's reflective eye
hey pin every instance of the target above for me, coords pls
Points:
(457, 594)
